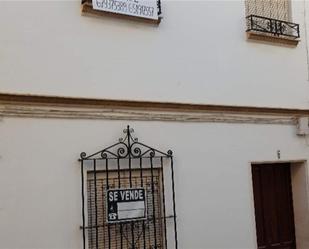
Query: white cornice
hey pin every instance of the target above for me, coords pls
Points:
(29, 111)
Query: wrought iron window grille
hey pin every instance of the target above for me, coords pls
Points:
(128, 164)
(272, 26)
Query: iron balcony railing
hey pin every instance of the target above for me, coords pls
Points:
(272, 26)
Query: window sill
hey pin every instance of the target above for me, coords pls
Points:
(257, 36)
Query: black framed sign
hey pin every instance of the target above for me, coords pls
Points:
(148, 9)
(126, 204)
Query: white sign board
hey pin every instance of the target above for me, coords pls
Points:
(126, 204)
(139, 8)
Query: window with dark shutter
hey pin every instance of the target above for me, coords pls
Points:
(121, 232)
(270, 20)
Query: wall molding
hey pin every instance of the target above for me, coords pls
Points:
(41, 100)
(31, 106)
(138, 115)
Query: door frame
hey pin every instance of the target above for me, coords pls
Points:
(300, 191)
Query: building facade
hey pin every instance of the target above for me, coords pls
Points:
(223, 84)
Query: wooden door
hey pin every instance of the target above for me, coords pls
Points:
(273, 206)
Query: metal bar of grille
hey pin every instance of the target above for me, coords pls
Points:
(130, 179)
(153, 203)
(163, 200)
(276, 27)
(251, 23)
(270, 25)
(107, 187)
(142, 185)
(83, 204)
(90, 227)
(96, 205)
(90, 217)
(103, 208)
(174, 203)
(119, 186)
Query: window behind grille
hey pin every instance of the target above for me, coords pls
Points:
(276, 9)
(119, 235)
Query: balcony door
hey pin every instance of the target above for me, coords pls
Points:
(273, 206)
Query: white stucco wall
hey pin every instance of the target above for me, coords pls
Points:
(198, 54)
(40, 202)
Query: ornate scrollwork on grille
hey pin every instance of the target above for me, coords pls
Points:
(127, 147)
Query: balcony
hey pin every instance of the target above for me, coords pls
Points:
(269, 29)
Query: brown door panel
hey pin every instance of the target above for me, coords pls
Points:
(273, 206)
